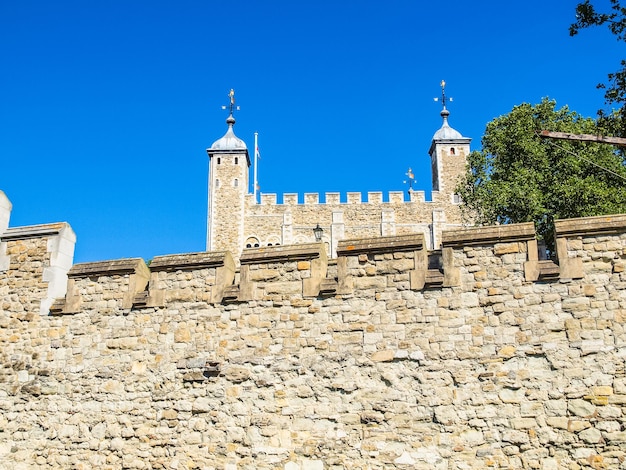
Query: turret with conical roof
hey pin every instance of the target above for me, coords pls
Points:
(229, 165)
(448, 153)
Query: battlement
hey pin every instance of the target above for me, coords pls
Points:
(5, 212)
(34, 262)
(335, 198)
(43, 253)
(304, 269)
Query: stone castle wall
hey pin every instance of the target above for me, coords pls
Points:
(291, 222)
(489, 359)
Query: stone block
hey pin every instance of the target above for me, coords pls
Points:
(383, 356)
(581, 408)
(506, 248)
(509, 395)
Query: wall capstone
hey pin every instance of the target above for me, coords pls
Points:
(5, 212)
(133, 271)
(60, 241)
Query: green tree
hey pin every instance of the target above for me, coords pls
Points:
(519, 176)
(613, 121)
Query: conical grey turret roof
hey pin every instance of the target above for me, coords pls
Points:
(229, 141)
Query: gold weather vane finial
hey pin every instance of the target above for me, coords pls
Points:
(410, 180)
(443, 94)
(231, 96)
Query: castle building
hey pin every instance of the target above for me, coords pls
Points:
(236, 220)
(292, 361)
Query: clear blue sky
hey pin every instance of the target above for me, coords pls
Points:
(107, 107)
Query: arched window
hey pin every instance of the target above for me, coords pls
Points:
(252, 242)
(273, 240)
(236, 182)
(219, 161)
(451, 150)
(236, 160)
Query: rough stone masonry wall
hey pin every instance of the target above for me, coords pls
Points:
(359, 219)
(386, 366)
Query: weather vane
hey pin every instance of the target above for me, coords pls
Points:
(443, 94)
(231, 96)
(410, 180)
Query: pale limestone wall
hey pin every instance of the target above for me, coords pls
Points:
(34, 262)
(228, 185)
(288, 223)
(450, 159)
(21, 280)
(383, 366)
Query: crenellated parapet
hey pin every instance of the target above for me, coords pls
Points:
(104, 285)
(210, 275)
(332, 198)
(347, 216)
(43, 255)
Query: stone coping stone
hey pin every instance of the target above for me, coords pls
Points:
(185, 261)
(457, 141)
(589, 226)
(488, 235)
(410, 242)
(33, 231)
(242, 151)
(108, 268)
(269, 254)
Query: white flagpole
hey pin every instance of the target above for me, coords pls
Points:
(256, 155)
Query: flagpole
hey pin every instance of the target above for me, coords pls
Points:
(256, 155)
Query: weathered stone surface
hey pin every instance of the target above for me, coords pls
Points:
(581, 408)
(494, 371)
(590, 436)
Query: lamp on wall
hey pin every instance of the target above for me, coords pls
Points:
(318, 231)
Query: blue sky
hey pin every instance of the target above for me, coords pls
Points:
(108, 107)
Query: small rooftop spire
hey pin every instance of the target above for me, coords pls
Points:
(446, 132)
(230, 141)
(444, 112)
(443, 93)
(230, 120)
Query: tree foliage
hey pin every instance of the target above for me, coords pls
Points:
(615, 90)
(519, 176)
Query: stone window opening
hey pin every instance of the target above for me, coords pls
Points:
(219, 161)
(236, 160)
(452, 151)
(543, 253)
(235, 182)
(435, 260)
(252, 242)
(217, 183)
